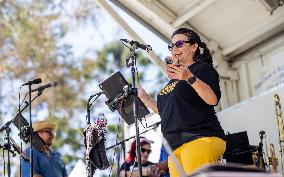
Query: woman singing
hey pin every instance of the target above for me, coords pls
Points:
(186, 104)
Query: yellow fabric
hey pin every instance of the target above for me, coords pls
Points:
(44, 124)
(197, 153)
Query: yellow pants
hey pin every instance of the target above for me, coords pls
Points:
(197, 153)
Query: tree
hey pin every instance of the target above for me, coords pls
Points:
(31, 47)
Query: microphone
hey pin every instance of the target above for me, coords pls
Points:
(35, 81)
(41, 88)
(262, 132)
(139, 45)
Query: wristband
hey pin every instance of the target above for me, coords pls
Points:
(191, 80)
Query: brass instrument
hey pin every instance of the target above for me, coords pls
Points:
(267, 158)
(273, 160)
(280, 127)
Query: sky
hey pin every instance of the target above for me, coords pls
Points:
(87, 36)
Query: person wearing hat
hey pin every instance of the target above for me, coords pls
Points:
(46, 163)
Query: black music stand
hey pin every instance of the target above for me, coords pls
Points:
(116, 89)
(23, 126)
(238, 149)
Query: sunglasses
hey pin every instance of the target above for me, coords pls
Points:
(178, 44)
(143, 150)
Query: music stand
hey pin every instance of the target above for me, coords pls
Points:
(116, 89)
(23, 126)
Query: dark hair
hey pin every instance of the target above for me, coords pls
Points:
(193, 37)
(132, 151)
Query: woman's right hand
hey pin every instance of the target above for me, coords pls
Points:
(147, 99)
(169, 74)
(169, 67)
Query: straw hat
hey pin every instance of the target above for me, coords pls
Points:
(43, 124)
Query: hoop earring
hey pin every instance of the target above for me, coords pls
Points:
(201, 50)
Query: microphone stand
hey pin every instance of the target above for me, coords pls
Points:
(260, 161)
(31, 130)
(31, 125)
(3, 156)
(7, 147)
(118, 163)
(88, 119)
(132, 64)
(118, 160)
(124, 156)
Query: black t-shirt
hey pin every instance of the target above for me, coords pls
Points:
(184, 115)
(133, 166)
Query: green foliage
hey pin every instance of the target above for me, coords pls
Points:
(31, 47)
(116, 129)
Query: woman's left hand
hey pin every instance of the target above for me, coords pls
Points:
(178, 72)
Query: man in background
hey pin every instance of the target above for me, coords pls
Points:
(46, 163)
